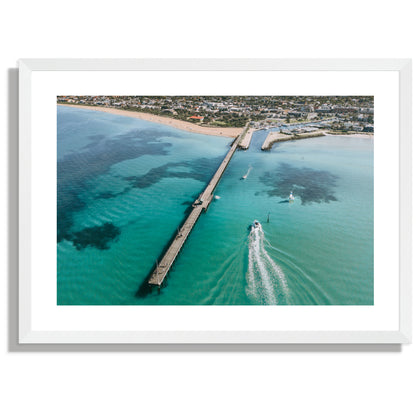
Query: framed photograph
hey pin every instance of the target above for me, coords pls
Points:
(215, 201)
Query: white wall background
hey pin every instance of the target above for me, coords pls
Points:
(272, 380)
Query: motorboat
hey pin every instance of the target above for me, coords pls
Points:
(256, 224)
(291, 197)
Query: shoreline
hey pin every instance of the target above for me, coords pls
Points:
(232, 132)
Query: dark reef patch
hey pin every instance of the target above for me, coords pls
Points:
(308, 184)
(200, 169)
(109, 195)
(94, 140)
(76, 169)
(149, 133)
(106, 195)
(99, 236)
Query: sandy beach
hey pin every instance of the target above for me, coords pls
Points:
(178, 124)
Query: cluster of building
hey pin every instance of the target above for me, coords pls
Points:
(355, 113)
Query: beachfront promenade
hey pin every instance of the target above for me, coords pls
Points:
(162, 268)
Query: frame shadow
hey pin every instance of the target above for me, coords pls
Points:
(13, 275)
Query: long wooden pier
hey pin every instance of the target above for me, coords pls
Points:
(201, 204)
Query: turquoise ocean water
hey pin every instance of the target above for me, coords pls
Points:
(125, 185)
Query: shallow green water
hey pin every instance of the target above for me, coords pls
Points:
(124, 186)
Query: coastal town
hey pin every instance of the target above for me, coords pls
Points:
(291, 115)
(247, 124)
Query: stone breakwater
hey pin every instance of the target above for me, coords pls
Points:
(246, 139)
(275, 137)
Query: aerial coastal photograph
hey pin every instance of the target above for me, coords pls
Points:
(215, 200)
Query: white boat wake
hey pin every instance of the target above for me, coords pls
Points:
(266, 282)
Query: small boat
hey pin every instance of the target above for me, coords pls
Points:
(244, 177)
(256, 224)
(291, 197)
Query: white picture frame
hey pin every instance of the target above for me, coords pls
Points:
(30, 333)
